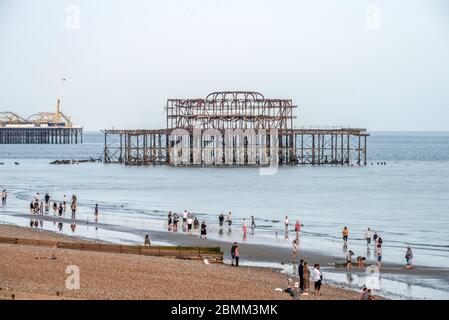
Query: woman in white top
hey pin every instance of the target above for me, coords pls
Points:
(317, 278)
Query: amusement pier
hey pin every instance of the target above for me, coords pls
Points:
(40, 128)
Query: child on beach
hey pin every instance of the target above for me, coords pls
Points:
(55, 207)
(295, 248)
(349, 259)
(379, 257)
(244, 229)
(41, 208)
(221, 219)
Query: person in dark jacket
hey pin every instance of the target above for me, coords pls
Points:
(301, 275)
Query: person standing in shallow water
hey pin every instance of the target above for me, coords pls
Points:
(203, 230)
(221, 219)
(409, 258)
(253, 224)
(244, 229)
(96, 212)
(297, 229)
(229, 218)
(345, 234)
(73, 207)
(196, 224)
(368, 236)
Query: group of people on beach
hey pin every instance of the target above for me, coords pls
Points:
(42, 206)
(190, 224)
(4, 196)
(308, 274)
(378, 242)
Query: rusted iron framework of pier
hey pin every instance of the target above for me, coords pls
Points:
(243, 128)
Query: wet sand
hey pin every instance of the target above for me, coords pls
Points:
(254, 253)
(28, 270)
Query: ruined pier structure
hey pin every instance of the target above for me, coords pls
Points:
(235, 129)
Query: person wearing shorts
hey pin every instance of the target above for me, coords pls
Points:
(317, 279)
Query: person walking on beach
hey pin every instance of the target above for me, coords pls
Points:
(306, 276)
(221, 219)
(297, 228)
(60, 209)
(301, 275)
(345, 233)
(235, 254)
(409, 258)
(41, 208)
(203, 230)
(253, 224)
(147, 241)
(96, 212)
(317, 278)
(55, 207)
(295, 248)
(368, 236)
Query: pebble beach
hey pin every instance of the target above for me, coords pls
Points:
(28, 270)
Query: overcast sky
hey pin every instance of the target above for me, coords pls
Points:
(379, 64)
